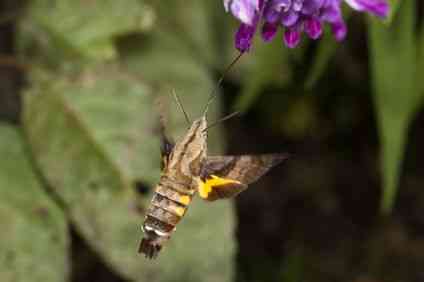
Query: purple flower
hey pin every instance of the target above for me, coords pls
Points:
(295, 17)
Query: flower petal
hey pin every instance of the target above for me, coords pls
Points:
(244, 37)
(278, 5)
(244, 10)
(313, 28)
(311, 7)
(379, 8)
(290, 18)
(269, 30)
(297, 5)
(292, 37)
(339, 30)
(271, 15)
(331, 11)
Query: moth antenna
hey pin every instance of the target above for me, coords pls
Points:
(213, 94)
(222, 119)
(180, 105)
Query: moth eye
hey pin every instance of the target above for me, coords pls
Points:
(166, 148)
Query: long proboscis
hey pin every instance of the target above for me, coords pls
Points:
(214, 93)
(221, 120)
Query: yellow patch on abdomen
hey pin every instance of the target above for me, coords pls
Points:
(179, 211)
(185, 200)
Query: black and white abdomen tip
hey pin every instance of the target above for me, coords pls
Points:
(152, 241)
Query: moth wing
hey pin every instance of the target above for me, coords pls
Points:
(215, 187)
(227, 176)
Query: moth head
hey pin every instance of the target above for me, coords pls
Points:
(166, 150)
(203, 123)
(199, 126)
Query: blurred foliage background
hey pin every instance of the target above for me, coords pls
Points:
(82, 84)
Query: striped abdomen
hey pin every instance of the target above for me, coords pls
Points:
(167, 207)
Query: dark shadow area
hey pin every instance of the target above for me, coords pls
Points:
(316, 216)
(11, 71)
(87, 265)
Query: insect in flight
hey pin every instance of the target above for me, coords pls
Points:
(187, 169)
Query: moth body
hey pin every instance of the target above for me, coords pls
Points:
(176, 187)
(187, 170)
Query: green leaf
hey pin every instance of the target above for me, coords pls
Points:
(420, 52)
(86, 28)
(394, 7)
(294, 267)
(167, 63)
(92, 134)
(33, 240)
(182, 16)
(393, 64)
